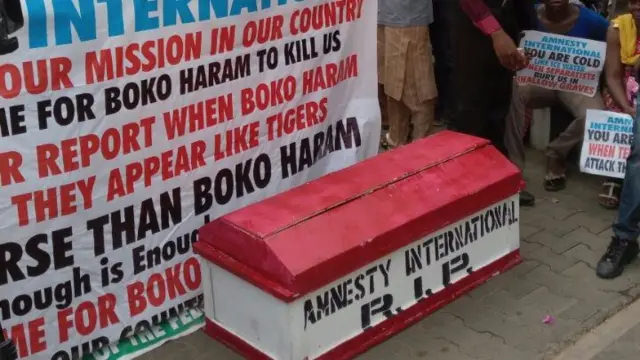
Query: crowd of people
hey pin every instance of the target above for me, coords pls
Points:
(452, 63)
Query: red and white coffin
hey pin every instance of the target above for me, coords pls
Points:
(333, 267)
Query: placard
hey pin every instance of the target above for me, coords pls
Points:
(127, 125)
(607, 143)
(564, 63)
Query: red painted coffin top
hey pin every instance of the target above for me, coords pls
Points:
(306, 238)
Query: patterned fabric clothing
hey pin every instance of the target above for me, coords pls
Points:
(609, 103)
(405, 69)
(404, 52)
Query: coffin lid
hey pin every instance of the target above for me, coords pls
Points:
(305, 238)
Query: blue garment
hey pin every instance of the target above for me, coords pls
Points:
(589, 25)
(626, 225)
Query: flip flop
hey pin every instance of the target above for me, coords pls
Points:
(555, 183)
(609, 198)
(527, 199)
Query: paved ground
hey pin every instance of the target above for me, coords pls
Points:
(617, 338)
(625, 348)
(562, 238)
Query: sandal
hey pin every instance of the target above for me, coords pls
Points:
(609, 198)
(527, 198)
(383, 142)
(386, 143)
(556, 178)
(555, 183)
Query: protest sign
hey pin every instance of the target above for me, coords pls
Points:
(127, 125)
(562, 63)
(607, 143)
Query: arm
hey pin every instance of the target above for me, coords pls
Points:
(503, 44)
(614, 71)
(479, 14)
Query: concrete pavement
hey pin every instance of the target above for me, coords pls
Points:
(624, 348)
(562, 238)
(617, 338)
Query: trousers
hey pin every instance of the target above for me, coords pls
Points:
(405, 69)
(626, 225)
(441, 39)
(537, 98)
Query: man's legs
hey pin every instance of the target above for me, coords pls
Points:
(413, 103)
(482, 85)
(578, 105)
(501, 91)
(484, 101)
(471, 78)
(419, 93)
(515, 127)
(523, 97)
(382, 100)
(626, 226)
(399, 125)
(422, 117)
(557, 150)
(382, 97)
(624, 245)
(392, 56)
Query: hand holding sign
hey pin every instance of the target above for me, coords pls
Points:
(507, 52)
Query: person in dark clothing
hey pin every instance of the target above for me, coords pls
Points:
(485, 59)
(441, 37)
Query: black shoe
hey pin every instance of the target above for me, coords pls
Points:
(618, 255)
(527, 198)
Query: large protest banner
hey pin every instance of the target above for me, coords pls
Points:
(185, 323)
(607, 143)
(127, 125)
(562, 62)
